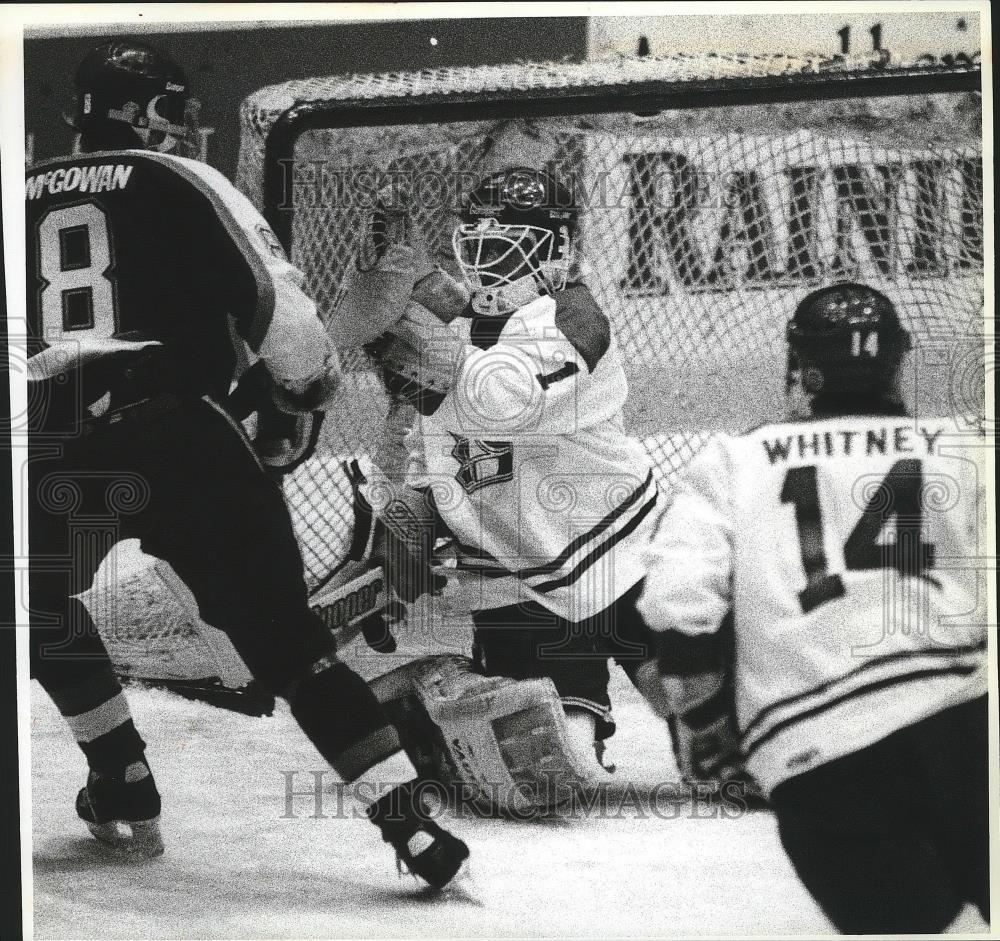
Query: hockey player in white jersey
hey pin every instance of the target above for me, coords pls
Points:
(844, 544)
(524, 452)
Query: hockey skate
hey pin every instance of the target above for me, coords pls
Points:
(123, 812)
(427, 850)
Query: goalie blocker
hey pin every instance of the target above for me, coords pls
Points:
(390, 563)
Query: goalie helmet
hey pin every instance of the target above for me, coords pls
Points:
(845, 347)
(127, 90)
(515, 238)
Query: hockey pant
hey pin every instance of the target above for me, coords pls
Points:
(894, 839)
(527, 641)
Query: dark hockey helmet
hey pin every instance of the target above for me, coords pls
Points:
(846, 341)
(125, 82)
(516, 229)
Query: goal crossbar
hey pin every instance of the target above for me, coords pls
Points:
(423, 98)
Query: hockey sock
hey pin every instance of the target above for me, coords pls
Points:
(98, 714)
(394, 770)
(342, 718)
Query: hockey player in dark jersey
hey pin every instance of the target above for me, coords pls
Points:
(137, 259)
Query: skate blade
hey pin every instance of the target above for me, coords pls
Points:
(140, 839)
(462, 888)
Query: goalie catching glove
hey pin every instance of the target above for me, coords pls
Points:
(372, 299)
(398, 308)
(311, 394)
(420, 353)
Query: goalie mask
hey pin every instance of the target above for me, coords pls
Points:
(515, 239)
(845, 348)
(126, 89)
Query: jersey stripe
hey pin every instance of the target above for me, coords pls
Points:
(564, 372)
(580, 569)
(61, 356)
(876, 685)
(256, 329)
(477, 559)
(236, 426)
(900, 657)
(482, 560)
(599, 552)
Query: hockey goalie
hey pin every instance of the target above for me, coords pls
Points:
(515, 388)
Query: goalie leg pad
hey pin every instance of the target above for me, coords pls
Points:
(507, 739)
(501, 745)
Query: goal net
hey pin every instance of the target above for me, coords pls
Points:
(714, 192)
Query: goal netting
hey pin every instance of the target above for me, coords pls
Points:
(714, 191)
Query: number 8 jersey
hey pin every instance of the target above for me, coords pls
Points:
(132, 249)
(851, 552)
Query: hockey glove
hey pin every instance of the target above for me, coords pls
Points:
(690, 686)
(313, 394)
(420, 353)
(373, 299)
(404, 536)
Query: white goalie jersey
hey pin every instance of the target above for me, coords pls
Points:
(847, 550)
(547, 497)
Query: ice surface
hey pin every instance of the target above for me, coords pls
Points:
(237, 867)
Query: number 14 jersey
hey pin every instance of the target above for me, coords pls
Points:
(850, 551)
